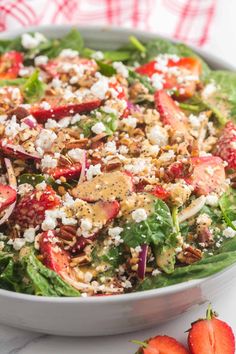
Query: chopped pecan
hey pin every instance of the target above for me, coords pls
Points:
(82, 259)
(80, 143)
(67, 232)
(190, 255)
(113, 165)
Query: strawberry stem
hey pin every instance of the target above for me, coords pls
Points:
(210, 313)
(142, 344)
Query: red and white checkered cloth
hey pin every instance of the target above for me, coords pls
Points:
(206, 23)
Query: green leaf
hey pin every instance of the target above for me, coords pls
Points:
(45, 281)
(13, 82)
(106, 69)
(156, 229)
(224, 99)
(110, 122)
(11, 44)
(116, 55)
(30, 178)
(133, 76)
(202, 269)
(228, 207)
(34, 88)
(73, 40)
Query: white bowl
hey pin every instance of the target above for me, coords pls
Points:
(115, 314)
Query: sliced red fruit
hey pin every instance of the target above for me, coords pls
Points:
(208, 174)
(164, 345)
(160, 192)
(171, 114)
(17, 151)
(54, 67)
(69, 172)
(211, 336)
(178, 170)
(7, 196)
(119, 89)
(106, 211)
(226, 145)
(60, 109)
(10, 65)
(54, 257)
(30, 210)
(187, 66)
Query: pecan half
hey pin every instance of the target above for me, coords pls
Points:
(189, 255)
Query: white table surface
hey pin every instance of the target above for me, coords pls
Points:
(15, 341)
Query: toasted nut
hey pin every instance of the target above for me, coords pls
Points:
(190, 255)
(81, 143)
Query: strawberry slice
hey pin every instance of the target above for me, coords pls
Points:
(211, 336)
(160, 192)
(10, 65)
(119, 89)
(69, 172)
(60, 109)
(7, 196)
(171, 114)
(106, 211)
(189, 68)
(30, 211)
(226, 145)
(54, 257)
(164, 345)
(208, 174)
(54, 67)
(17, 151)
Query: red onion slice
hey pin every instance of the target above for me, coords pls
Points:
(142, 261)
(83, 167)
(30, 121)
(19, 151)
(13, 184)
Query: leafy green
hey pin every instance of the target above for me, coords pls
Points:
(34, 88)
(156, 229)
(204, 268)
(109, 120)
(13, 82)
(133, 76)
(162, 46)
(197, 104)
(106, 69)
(228, 207)
(30, 178)
(225, 96)
(10, 44)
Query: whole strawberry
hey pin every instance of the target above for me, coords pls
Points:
(211, 336)
(226, 145)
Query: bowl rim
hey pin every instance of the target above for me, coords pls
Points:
(145, 294)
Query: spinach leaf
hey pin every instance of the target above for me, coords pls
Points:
(45, 281)
(162, 46)
(156, 229)
(11, 44)
(34, 88)
(106, 69)
(110, 122)
(204, 268)
(228, 207)
(13, 82)
(197, 104)
(30, 178)
(224, 99)
(133, 76)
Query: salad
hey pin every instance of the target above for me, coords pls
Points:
(117, 168)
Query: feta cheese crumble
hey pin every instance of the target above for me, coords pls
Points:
(139, 215)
